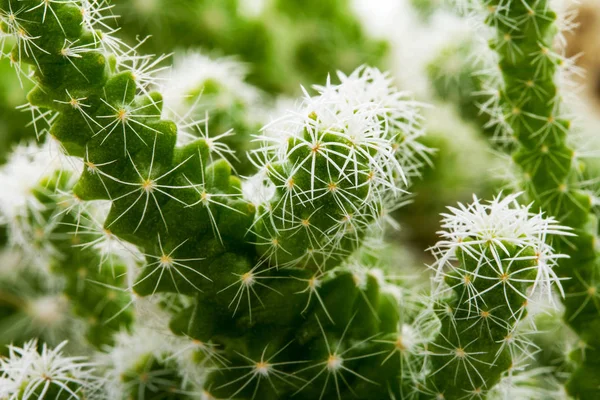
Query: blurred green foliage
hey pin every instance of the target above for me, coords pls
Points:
(286, 43)
(13, 123)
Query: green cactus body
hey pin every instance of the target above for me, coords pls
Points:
(486, 265)
(273, 264)
(531, 104)
(473, 349)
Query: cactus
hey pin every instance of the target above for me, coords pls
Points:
(29, 374)
(273, 286)
(528, 108)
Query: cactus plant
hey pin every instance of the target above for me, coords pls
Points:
(29, 374)
(191, 282)
(528, 108)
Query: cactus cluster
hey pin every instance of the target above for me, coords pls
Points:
(175, 236)
(526, 71)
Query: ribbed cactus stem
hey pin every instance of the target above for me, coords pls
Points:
(490, 259)
(530, 108)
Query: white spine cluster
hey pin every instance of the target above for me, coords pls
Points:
(192, 71)
(21, 174)
(529, 384)
(354, 144)
(480, 227)
(29, 374)
(366, 110)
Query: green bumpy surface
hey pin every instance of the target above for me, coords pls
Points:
(473, 349)
(551, 169)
